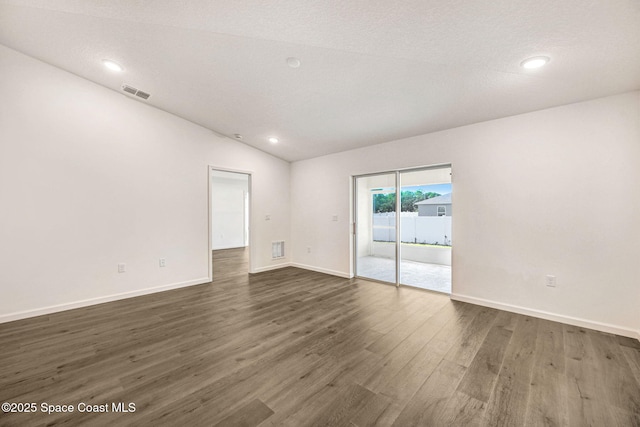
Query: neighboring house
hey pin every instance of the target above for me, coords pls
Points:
(436, 206)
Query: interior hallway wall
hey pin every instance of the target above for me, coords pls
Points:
(552, 192)
(228, 225)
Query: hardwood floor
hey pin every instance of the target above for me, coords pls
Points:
(230, 263)
(297, 348)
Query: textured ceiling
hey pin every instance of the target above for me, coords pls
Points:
(372, 71)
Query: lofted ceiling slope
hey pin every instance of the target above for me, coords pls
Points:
(371, 71)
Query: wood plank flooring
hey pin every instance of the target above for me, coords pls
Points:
(299, 348)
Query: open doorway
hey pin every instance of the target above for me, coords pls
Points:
(229, 226)
(403, 227)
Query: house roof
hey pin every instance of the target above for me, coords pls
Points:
(440, 200)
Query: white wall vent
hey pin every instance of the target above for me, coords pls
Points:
(277, 249)
(137, 92)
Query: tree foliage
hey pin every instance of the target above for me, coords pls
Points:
(387, 202)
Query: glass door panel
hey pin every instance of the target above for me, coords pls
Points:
(375, 229)
(425, 229)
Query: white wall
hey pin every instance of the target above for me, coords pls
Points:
(90, 178)
(528, 192)
(228, 225)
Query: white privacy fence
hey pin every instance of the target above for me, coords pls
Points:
(414, 229)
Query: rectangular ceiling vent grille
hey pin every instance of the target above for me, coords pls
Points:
(133, 91)
(277, 249)
(142, 94)
(129, 89)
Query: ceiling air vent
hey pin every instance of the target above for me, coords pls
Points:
(133, 91)
(129, 89)
(143, 95)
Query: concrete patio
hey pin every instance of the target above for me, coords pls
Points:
(433, 277)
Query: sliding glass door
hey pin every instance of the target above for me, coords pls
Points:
(376, 227)
(403, 227)
(425, 225)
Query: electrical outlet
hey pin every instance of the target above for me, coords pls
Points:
(122, 268)
(308, 249)
(267, 217)
(334, 218)
(163, 262)
(550, 281)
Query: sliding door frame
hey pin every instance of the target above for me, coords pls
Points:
(398, 189)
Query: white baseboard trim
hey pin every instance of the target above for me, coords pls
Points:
(304, 267)
(599, 326)
(228, 247)
(4, 318)
(321, 270)
(271, 267)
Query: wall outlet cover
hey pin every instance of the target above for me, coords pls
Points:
(550, 281)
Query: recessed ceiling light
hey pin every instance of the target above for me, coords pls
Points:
(535, 62)
(113, 66)
(273, 140)
(293, 62)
